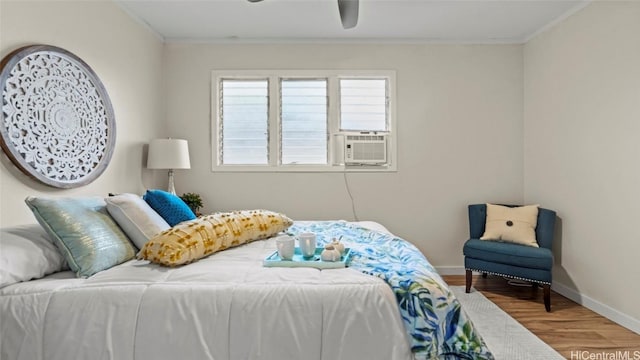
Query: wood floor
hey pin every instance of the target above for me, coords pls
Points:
(571, 329)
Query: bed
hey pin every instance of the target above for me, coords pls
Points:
(388, 304)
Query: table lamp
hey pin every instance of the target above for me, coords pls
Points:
(168, 154)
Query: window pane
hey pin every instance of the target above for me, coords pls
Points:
(245, 121)
(363, 104)
(303, 114)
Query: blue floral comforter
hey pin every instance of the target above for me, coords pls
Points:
(433, 318)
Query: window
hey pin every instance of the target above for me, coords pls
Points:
(363, 105)
(245, 106)
(302, 120)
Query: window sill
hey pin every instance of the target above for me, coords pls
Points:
(305, 168)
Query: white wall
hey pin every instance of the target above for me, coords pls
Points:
(460, 126)
(582, 151)
(459, 119)
(128, 60)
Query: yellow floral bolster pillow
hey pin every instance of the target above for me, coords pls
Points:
(194, 239)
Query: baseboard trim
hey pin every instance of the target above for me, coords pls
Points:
(450, 270)
(607, 311)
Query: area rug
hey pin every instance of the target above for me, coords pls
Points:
(506, 338)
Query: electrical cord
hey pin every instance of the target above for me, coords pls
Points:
(353, 203)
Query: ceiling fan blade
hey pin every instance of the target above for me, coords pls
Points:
(348, 13)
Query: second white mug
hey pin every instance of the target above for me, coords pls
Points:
(307, 243)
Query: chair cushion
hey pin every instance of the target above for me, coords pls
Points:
(512, 224)
(542, 276)
(509, 253)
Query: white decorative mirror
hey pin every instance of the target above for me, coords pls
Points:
(57, 123)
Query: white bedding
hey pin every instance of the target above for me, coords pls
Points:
(226, 306)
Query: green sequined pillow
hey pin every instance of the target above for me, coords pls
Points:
(88, 238)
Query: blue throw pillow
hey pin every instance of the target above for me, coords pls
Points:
(172, 209)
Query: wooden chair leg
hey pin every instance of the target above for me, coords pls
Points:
(547, 297)
(468, 281)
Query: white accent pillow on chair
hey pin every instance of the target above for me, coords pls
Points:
(511, 224)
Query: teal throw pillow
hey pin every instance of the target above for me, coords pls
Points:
(88, 238)
(172, 209)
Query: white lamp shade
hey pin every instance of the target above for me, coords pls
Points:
(168, 154)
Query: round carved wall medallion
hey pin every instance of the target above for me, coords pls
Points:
(57, 122)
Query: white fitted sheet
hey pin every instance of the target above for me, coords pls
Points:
(226, 306)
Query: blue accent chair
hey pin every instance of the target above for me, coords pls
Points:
(508, 259)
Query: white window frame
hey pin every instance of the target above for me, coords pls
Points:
(333, 125)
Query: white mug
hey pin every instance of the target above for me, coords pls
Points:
(307, 244)
(286, 245)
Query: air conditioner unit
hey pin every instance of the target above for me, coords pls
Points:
(365, 149)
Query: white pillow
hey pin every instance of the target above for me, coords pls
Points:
(27, 253)
(512, 224)
(136, 218)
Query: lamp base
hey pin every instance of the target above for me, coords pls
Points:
(171, 189)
